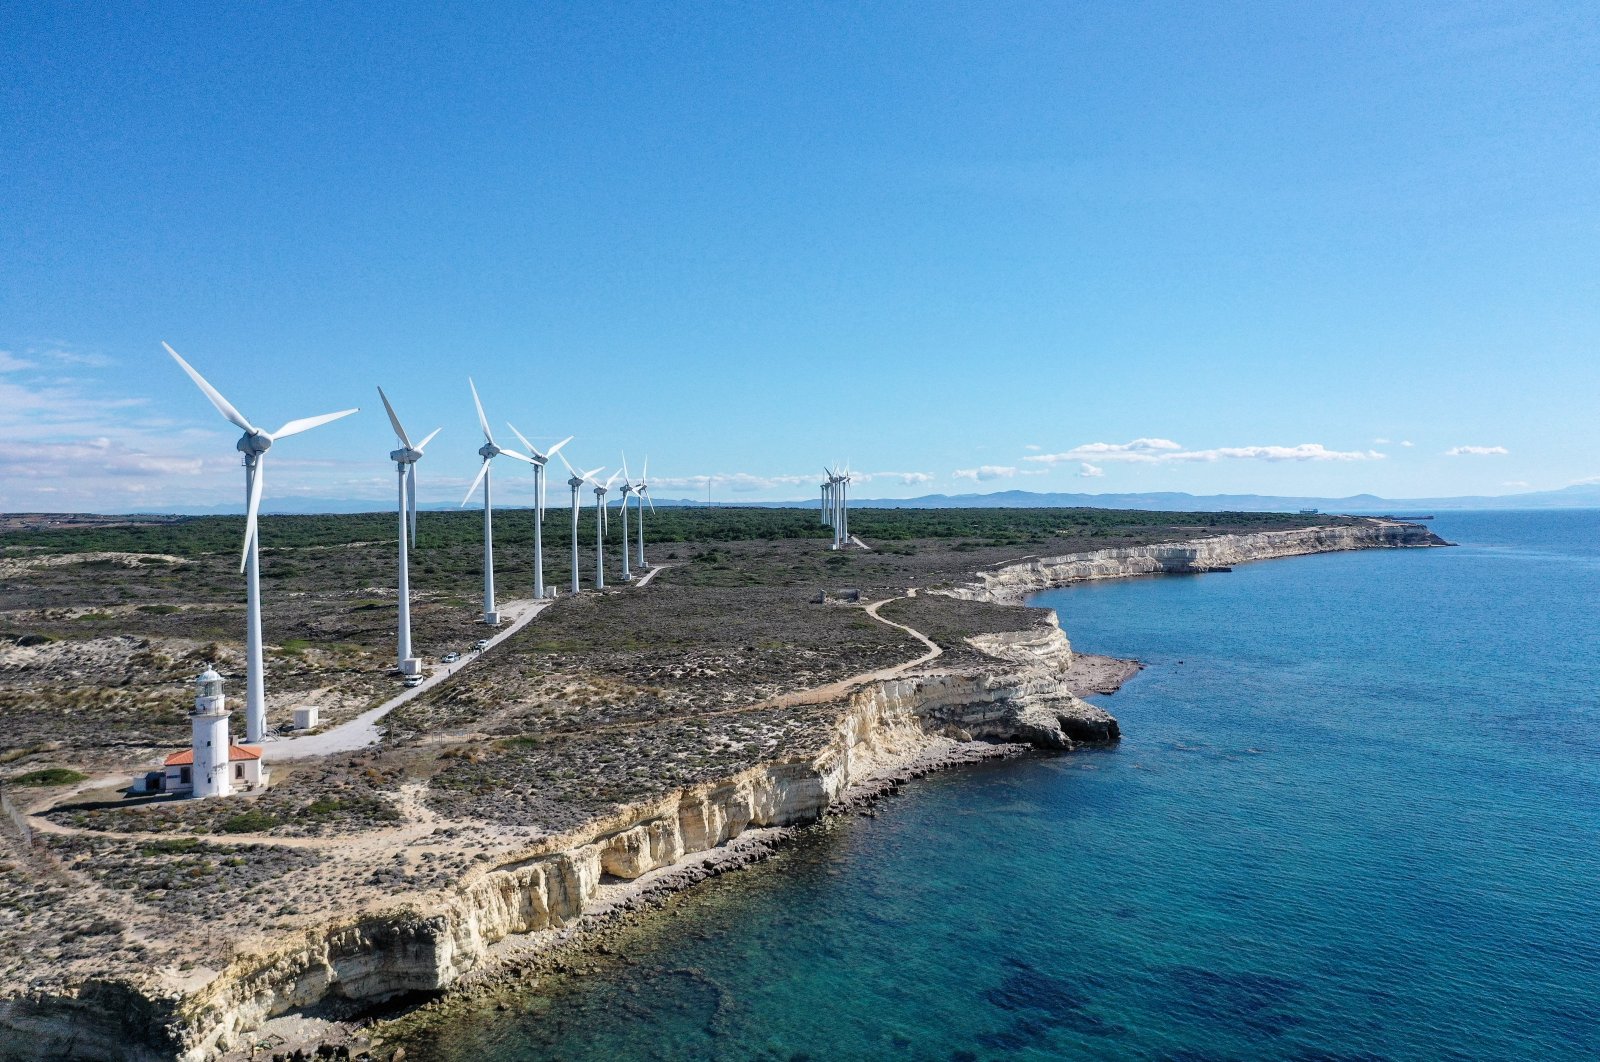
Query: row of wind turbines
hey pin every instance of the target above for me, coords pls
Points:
(836, 505)
(256, 442)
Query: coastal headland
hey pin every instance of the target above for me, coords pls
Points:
(618, 745)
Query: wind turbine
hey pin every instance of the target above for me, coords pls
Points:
(626, 489)
(488, 451)
(600, 527)
(253, 444)
(831, 492)
(405, 462)
(641, 491)
(843, 530)
(577, 480)
(538, 461)
(824, 506)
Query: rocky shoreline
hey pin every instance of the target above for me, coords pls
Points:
(1010, 583)
(548, 901)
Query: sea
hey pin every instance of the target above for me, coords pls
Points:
(1355, 815)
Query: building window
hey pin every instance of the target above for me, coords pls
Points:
(238, 770)
(185, 776)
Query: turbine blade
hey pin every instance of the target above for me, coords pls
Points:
(423, 445)
(611, 479)
(524, 458)
(557, 447)
(222, 404)
(411, 498)
(483, 421)
(394, 421)
(252, 509)
(589, 475)
(483, 470)
(645, 475)
(564, 461)
(295, 427)
(523, 439)
(626, 478)
(652, 502)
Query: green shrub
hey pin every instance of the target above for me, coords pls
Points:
(49, 776)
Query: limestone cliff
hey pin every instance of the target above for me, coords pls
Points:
(1013, 582)
(420, 948)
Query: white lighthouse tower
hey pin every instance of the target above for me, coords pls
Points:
(211, 741)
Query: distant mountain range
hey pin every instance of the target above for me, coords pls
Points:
(1581, 496)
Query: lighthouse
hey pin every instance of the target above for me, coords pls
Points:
(212, 765)
(211, 743)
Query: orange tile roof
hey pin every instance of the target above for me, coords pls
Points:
(185, 757)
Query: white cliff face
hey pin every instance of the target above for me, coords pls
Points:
(408, 949)
(1013, 582)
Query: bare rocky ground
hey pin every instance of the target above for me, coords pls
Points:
(604, 700)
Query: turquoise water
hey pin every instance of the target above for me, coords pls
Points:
(1356, 815)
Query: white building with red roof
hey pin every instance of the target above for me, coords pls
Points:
(212, 765)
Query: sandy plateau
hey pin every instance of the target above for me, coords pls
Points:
(619, 746)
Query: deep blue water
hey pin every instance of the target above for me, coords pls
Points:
(1355, 815)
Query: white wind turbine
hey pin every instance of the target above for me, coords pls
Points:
(831, 492)
(626, 489)
(488, 451)
(538, 461)
(577, 480)
(641, 491)
(253, 444)
(601, 525)
(844, 507)
(405, 462)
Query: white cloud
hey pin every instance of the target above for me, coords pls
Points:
(1407, 442)
(985, 473)
(1516, 483)
(1380, 442)
(1033, 447)
(1475, 451)
(1089, 471)
(906, 478)
(86, 361)
(9, 362)
(1162, 451)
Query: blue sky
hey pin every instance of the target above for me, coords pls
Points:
(1107, 247)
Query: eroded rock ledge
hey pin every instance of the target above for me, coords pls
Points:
(1013, 582)
(411, 949)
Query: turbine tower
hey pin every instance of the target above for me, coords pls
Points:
(253, 444)
(405, 462)
(600, 527)
(641, 493)
(538, 461)
(578, 479)
(488, 451)
(832, 503)
(843, 530)
(824, 506)
(626, 489)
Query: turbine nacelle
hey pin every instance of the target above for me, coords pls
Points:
(253, 442)
(405, 456)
